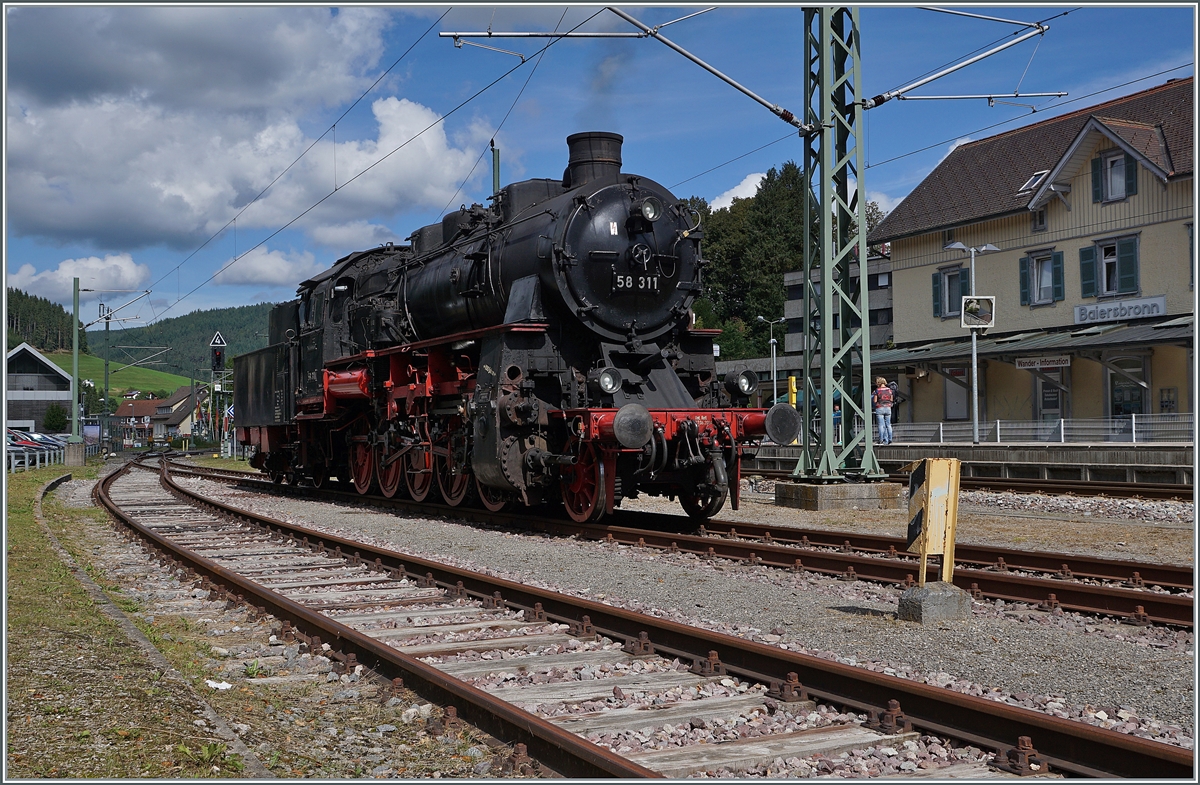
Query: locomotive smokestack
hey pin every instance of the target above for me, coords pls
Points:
(593, 155)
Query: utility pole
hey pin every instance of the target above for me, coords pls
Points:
(833, 158)
(106, 314)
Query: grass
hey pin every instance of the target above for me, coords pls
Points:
(82, 700)
(136, 378)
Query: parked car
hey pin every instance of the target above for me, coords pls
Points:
(47, 441)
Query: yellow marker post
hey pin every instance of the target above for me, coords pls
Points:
(792, 399)
(933, 511)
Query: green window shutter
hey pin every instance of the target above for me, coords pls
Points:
(964, 282)
(1087, 271)
(1024, 280)
(1130, 175)
(1097, 188)
(937, 294)
(1127, 265)
(1056, 275)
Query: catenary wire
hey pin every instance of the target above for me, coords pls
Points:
(383, 158)
(288, 168)
(520, 92)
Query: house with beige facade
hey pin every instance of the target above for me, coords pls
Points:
(1093, 279)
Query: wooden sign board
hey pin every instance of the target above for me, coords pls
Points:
(933, 511)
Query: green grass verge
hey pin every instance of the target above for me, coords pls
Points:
(82, 700)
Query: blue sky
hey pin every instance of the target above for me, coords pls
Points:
(136, 134)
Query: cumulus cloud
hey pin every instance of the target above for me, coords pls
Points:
(120, 174)
(353, 236)
(117, 271)
(885, 202)
(262, 267)
(957, 143)
(743, 190)
(169, 122)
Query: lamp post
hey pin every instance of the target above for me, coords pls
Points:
(774, 381)
(986, 248)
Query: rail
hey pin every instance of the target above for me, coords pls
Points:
(1068, 746)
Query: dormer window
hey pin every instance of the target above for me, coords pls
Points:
(1114, 176)
(1035, 181)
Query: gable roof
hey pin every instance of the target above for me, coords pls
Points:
(41, 358)
(983, 179)
(140, 408)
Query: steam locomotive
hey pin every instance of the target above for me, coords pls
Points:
(535, 350)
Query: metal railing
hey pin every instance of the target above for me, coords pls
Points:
(23, 459)
(1134, 428)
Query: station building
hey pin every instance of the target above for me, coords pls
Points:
(1092, 213)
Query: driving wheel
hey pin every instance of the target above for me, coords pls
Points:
(704, 504)
(492, 499)
(362, 465)
(390, 476)
(455, 486)
(583, 483)
(418, 472)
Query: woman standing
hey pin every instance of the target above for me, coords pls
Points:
(881, 402)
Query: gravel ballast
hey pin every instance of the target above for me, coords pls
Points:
(1138, 680)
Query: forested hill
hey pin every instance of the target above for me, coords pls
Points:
(44, 325)
(244, 329)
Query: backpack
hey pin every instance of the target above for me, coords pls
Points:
(883, 397)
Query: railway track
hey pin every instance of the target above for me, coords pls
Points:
(1136, 592)
(1126, 490)
(390, 612)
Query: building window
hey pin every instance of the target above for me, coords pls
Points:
(950, 285)
(1127, 386)
(1034, 181)
(1039, 220)
(880, 315)
(1110, 267)
(879, 281)
(947, 237)
(1114, 176)
(1042, 278)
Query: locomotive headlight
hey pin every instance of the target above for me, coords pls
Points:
(607, 380)
(741, 384)
(610, 380)
(652, 209)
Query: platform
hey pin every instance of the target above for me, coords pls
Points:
(1158, 462)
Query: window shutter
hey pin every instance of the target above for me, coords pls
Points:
(964, 282)
(937, 294)
(1024, 280)
(1127, 265)
(1097, 189)
(1056, 275)
(1087, 271)
(1130, 175)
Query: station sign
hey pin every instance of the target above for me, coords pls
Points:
(1043, 363)
(1139, 308)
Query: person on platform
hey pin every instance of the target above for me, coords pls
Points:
(881, 403)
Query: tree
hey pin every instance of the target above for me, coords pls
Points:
(55, 420)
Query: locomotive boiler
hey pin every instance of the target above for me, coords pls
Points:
(539, 349)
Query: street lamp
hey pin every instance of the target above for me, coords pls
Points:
(774, 382)
(987, 248)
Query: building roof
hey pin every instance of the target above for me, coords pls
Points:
(983, 179)
(137, 408)
(1123, 335)
(41, 358)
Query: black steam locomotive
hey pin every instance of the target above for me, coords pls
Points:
(537, 349)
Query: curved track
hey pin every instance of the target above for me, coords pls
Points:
(1137, 592)
(268, 553)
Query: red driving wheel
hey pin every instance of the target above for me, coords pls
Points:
(390, 476)
(583, 483)
(362, 464)
(418, 472)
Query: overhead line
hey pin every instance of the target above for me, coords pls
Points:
(505, 118)
(306, 151)
(1018, 117)
(320, 201)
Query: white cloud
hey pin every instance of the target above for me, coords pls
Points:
(120, 174)
(743, 190)
(261, 267)
(353, 236)
(115, 271)
(959, 142)
(885, 202)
